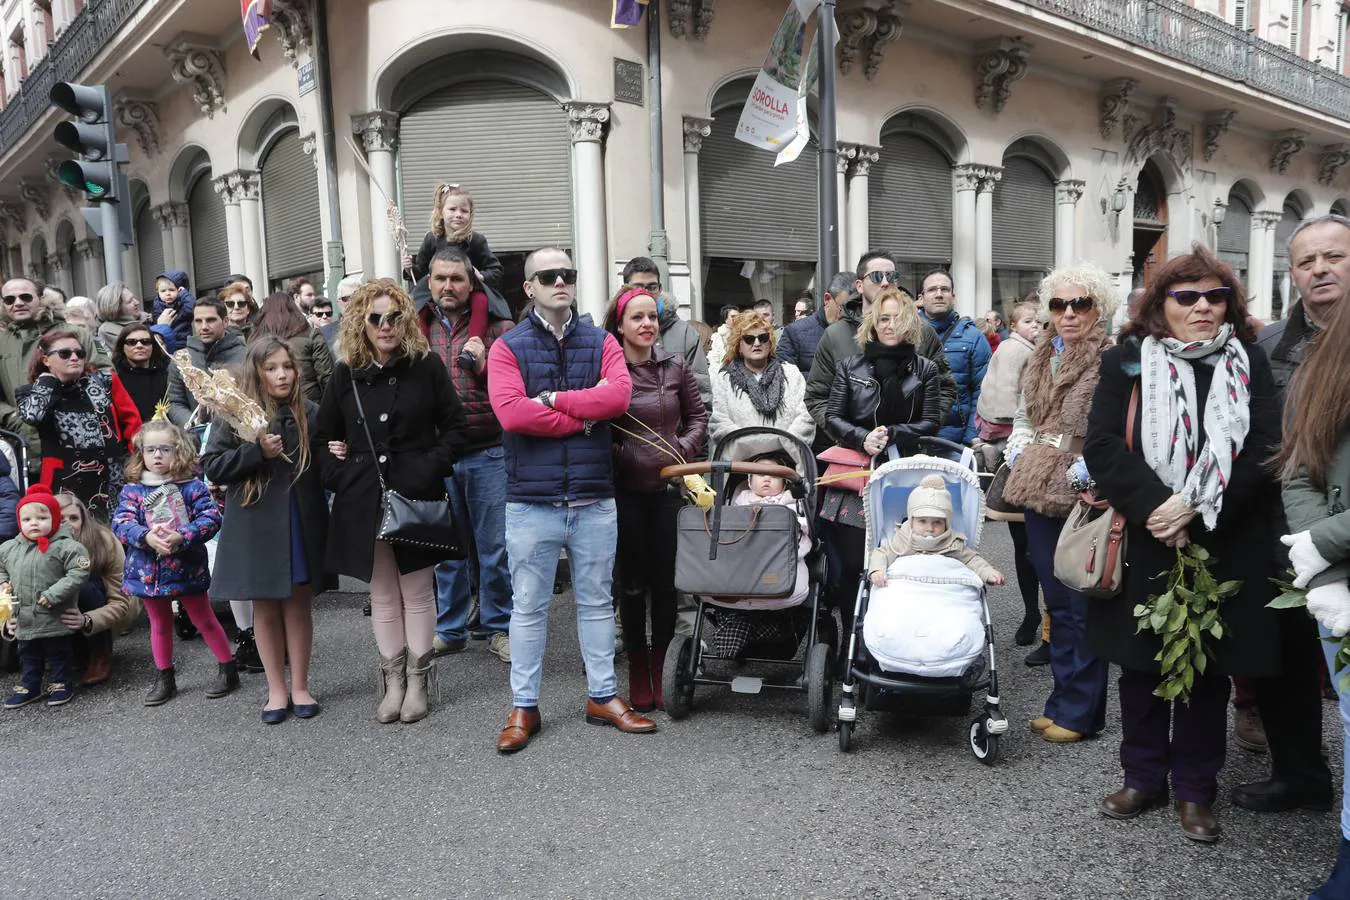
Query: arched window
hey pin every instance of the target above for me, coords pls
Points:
(1024, 228)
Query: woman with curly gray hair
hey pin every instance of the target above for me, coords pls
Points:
(1045, 453)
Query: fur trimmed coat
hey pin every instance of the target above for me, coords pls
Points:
(1057, 389)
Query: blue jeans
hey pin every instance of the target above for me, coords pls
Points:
(478, 492)
(535, 534)
(1330, 648)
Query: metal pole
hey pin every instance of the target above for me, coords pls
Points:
(323, 82)
(112, 239)
(658, 243)
(828, 200)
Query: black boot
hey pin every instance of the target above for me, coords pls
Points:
(1028, 631)
(183, 625)
(1040, 656)
(227, 679)
(163, 689)
(246, 652)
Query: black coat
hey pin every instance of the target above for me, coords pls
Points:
(1241, 544)
(253, 560)
(418, 426)
(148, 387)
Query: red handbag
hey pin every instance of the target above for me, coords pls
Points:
(842, 461)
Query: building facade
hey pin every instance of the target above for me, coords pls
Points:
(995, 137)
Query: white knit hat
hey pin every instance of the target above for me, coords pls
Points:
(930, 499)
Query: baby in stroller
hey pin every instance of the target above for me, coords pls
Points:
(739, 629)
(926, 531)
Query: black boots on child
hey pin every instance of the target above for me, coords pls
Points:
(166, 684)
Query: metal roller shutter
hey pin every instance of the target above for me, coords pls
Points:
(210, 240)
(78, 268)
(752, 209)
(290, 202)
(1235, 234)
(1283, 229)
(508, 144)
(1024, 217)
(910, 200)
(149, 252)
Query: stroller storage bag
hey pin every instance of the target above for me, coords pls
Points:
(737, 551)
(928, 619)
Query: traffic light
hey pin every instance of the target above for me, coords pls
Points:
(98, 172)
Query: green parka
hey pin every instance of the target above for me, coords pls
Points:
(58, 574)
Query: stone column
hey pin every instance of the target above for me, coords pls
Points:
(234, 224)
(859, 203)
(587, 122)
(1261, 263)
(695, 130)
(984, 244)
(847, 153)
(966, 179)
(379, 137)
(1067, 194)
(164, 219)
(248, 191)
(180, 220)
(89, 253)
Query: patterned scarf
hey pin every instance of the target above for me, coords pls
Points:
(1168, 411)
(766, 391)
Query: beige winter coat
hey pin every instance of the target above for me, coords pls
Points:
(901, 543)
(1003, 380)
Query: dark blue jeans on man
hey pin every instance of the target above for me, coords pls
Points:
(478, 493)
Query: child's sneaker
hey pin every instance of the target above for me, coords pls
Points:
(59, 694)
(22, 696)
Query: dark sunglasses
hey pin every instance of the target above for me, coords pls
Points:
(11, 299)
(68, 352)
(551, 276)
(753, 339)
(138, 342)
(322, 314)
(1079, 304)
(390, 318)
(236, 304)
(884, 277)
(1190, 298)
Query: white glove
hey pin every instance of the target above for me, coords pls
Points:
(1308, 563)
(1330, 606)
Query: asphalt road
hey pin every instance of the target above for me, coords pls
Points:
(196, 798)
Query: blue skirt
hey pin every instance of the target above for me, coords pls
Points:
(299, 565)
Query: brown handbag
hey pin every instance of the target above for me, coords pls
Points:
(1090, 554)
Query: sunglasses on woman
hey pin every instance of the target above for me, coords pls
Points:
(236, 304)
(137, 342)
(751, 340)
(1190, 298)
(390, 319)
(68, 352)
(1079, 304)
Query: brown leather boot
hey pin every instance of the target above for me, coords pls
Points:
(1198, 822)
(640, 679)
(1127, 803)
(99, 666)
(1249, 732)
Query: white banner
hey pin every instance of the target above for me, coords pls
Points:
(769, 118)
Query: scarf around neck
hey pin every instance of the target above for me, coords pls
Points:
(766, 391)
(1171, 418)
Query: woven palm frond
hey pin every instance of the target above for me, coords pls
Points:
(217, 393)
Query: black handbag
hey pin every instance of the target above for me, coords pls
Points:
(995, 507)
(426, 524)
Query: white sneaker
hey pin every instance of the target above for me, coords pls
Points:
(500, 645)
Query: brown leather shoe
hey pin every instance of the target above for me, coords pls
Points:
(1249, 732)
(1127, 803)
(619, 714)
(1198, 822)
(98, 668)
(521, 725)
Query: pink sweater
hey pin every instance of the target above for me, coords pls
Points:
(522, 414)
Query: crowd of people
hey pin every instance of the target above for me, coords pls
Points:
(546, 432)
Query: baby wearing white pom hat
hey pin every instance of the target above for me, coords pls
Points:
(926, 530)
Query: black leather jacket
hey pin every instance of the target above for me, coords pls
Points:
(851, 413)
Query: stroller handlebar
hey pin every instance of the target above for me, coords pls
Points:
(737, 468)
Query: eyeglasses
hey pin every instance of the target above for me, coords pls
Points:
(751, 340)
(551, 276)
(390, 319)
(138, 342)
(1079, 304)
(322, 314)
(68, 352)
(884, 277)
(11, 299)
(160, 449)
(236, 304)
(938, 289)
(1190, 298)
(653, 286)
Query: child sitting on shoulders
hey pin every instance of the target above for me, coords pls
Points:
(926, 530)
(44, 569)
(452, 223)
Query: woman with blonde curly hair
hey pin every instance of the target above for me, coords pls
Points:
(1045, 453)
(416, 431)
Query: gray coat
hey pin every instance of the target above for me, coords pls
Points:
(253, 561)
(679, 337)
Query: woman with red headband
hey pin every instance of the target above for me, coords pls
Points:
(666, 423)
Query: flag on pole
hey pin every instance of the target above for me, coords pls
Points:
(257, 16)
(627, 13)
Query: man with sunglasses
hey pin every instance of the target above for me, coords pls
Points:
(23, 320)
(555, 381)
(321, 313)
(677, 335)
(967, 351)
(212, 346)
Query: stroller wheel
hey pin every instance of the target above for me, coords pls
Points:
(819, 686)
(677, 676)
(845, 736)
(983, 744)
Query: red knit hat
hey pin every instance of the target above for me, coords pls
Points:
(40, 493)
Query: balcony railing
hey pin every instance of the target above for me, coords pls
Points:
(1176, 29)
(66, 58)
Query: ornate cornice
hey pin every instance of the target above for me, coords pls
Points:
(865, 157)
(1329, 163)
(1162, 136)
(1283, 146)
(695, 130)
(587, 121)
(966, 177)
(864, 33)
(1069, 191)
(1114, 103)
(35, 194)
(245, 185)
(200, 66)
(1216, 126)
(1267, 218)
(141, 116)
(378, 130)
(294, 29)
(225, 187)
(690, 18)
(998, 64)
(11, 214)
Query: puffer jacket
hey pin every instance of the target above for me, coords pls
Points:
(58, 574)
(472, 386)
(968, 353)
(186, 572)
(681, 338)
(665, 401)
(180, 329)
(800, 339)
(852, 409)
(1002, 383)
